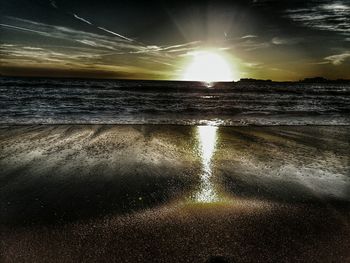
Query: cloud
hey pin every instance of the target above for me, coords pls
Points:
(253, 64)
(251, 45)
(117, 42)
(285, 41)
(30, 55)
(82, 19)
(336, 6)
(115, 34)
(94, 44)
(53, 3)
(33, 48)
(323, 16)
(7, 45)
(249, 36)
(24, 29)
(338, 59)
(184, 46)
(102, 28)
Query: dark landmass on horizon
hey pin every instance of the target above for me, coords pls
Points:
(305, 80)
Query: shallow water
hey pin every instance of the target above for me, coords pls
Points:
(57, 101)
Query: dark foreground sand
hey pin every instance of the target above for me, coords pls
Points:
(128, 194)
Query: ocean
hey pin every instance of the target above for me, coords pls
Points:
(77, 101)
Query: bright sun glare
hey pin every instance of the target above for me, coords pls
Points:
(208, 67)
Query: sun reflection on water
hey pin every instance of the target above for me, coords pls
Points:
(207, 136)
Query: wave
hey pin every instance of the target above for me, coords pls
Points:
(57, 101)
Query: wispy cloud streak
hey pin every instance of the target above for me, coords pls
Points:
(24, 29)
(102, 28)
(338, 59)
(249, 36)
(115, 34)
(324, 16)
(82, 19)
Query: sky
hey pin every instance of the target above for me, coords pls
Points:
(264, 39)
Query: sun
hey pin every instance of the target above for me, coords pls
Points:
(209, 67)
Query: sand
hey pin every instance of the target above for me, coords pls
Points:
(109, 193)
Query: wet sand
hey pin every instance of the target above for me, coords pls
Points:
(104, 193)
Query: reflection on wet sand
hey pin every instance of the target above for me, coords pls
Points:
(94, 193)
(207, 142)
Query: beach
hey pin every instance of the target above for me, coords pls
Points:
(174, 131)
(172, 193)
